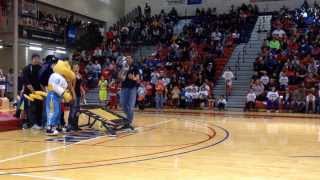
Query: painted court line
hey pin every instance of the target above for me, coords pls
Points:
(39, 177)
(67, 146)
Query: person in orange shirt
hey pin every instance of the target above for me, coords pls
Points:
(160, 91)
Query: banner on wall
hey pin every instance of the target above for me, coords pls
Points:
(175, 2)
(30, 33)
(192, 2)
(257, 1)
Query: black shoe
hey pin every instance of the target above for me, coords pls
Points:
(112, 133)
(129, 128)
(51, 132)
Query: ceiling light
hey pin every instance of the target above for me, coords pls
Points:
(36, 44)
(1, 46)
(61, 52)
(60, 48)
(34, 48)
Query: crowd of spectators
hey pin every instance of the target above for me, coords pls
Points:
(287, 69)
(180, 72)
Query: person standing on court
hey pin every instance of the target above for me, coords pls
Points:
(79, 92)
(130, 77)
(32, 83)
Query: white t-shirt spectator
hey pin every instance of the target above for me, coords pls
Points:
(310, 97)
(154, 77)
(228, 75)
(174, 46)
(265, 80)
(97, 68)
(283, 80)
(222, 101)
(141, 91)
(279, 33)
(204, 91)
(272, 96)
(216, 36)
(251, 97)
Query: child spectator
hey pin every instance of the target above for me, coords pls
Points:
(310, 101)
(103, 92)
(204, 91)
(141, 96)
(221, 103)
(113, 93)
(286, 100)
(175, 95)
(273, 100)
(283, 81)
(251, 101)
(265, 79)
(160, 92)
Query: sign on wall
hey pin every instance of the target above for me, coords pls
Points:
(254, 1)
(191, 2)
(175, 2)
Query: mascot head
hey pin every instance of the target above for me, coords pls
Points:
(63, 68)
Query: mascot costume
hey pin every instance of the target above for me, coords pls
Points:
(58, 92)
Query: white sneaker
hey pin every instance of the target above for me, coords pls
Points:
(55, 133)
(36, 127)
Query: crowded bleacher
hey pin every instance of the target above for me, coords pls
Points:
(183, 68)
(287, 69)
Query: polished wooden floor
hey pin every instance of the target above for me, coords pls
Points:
(174, 145)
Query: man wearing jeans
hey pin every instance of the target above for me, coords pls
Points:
(128, 92)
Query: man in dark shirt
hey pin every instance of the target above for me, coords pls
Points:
(31, 83)
(129, 92)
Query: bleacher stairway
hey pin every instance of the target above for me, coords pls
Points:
(241, 63)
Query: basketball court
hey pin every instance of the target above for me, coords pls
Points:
(172, 145)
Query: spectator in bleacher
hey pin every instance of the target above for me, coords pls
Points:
(273, 100)
(258, 89)
(204, 93)
(274, 44)
(250, 101)
(90, 69)
(283, 81)
(310, 101)
(265, 79)
(298, 99)
(97, 68)
(141, 92)
(221, 103)
(279, 33)
(259, 66)
(3, 82)
(160, 94)
(175, 96)
(147, 10)
(286, 100)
